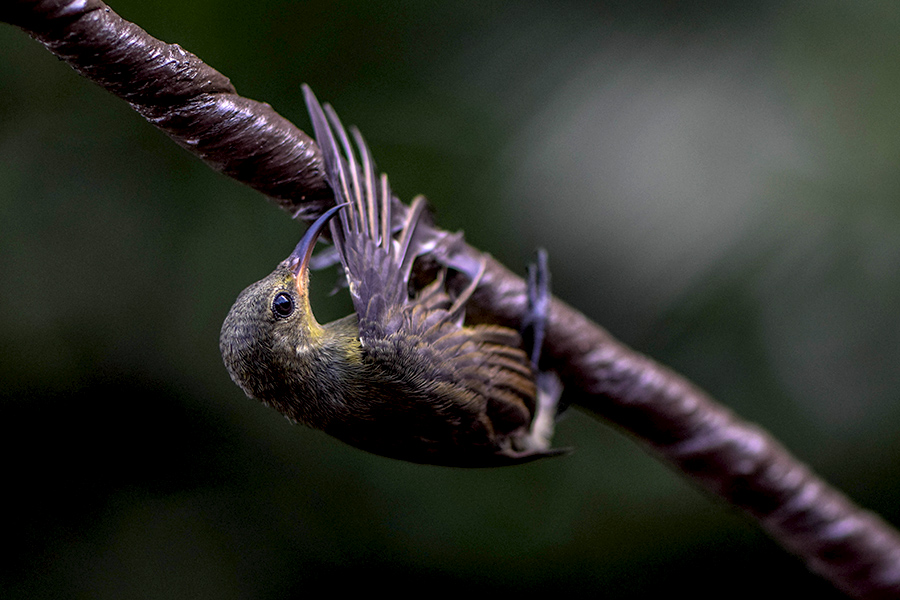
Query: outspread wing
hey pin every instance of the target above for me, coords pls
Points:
(377, 262)
(376, 239)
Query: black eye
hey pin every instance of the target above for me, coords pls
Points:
(283, 305)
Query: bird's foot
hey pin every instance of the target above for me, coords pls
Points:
(534, 322)
(534, 328)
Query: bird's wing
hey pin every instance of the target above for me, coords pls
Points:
(485, 359)
(376, 262)
(377, 242)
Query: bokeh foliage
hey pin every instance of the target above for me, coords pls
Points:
(716, 183)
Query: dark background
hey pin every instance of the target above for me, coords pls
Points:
(716, 183)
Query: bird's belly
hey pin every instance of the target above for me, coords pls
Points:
(419, 428)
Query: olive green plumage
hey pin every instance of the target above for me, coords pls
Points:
(402, 377)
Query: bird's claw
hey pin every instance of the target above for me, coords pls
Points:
(534, 322)
(533, 331)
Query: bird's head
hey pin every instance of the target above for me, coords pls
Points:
(271, 324)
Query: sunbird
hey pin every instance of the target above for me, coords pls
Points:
(402, 376)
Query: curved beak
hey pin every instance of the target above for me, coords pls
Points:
(299, 258)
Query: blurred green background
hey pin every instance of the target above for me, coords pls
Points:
(717, 183)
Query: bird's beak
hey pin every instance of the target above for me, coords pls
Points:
(299, 258)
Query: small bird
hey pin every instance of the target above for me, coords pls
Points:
(402, 377)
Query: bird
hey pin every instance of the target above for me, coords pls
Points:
(403, 376)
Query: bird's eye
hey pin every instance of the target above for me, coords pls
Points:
(283, 305)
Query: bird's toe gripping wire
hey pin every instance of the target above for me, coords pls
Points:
(534, 327)
(534, 322)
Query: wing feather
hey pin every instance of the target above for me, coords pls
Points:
(377, 266)
(485, 360)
